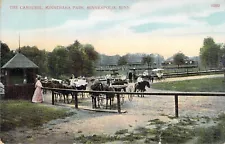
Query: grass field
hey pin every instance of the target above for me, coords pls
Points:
(20, 113)
(198, 85)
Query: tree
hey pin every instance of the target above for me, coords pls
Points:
(39, 57)
(76, 58)
(6, 54)
(90, 52)
(81, 59)
(209, 53)
(222, 54)
(58, 62)
(122, 60)
(179, 59)
(148, 60)
(91, 57)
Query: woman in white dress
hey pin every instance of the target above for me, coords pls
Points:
(38, 95)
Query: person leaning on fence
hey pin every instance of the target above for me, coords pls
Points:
(38, 95)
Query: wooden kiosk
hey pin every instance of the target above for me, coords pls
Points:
(19, 77)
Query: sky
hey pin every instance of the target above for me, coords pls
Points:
(129, 26)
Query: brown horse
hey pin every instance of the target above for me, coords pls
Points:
(96, 100)
(140, 87)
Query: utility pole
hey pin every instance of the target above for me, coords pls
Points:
(158, 61)
(19, 42)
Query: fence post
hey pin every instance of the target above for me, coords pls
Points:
(176, 106)
(76, 100)
(53, 97)
(118, 103)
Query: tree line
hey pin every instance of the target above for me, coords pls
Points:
(80, 59)
(77, 59)
(211, 53)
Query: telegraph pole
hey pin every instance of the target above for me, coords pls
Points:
(19, 42)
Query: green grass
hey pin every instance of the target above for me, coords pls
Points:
(95, 139)
(214, 134)
(199, 85)
(156, 122)
(19, 113)
(120, 132)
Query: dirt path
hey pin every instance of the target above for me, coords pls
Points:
(139, 112)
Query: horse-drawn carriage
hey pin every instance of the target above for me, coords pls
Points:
(122, 86)
(62, 95)
(116, 85)
(158, 73)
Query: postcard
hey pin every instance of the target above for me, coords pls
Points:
(112, 71)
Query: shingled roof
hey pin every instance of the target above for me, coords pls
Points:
(19, 61)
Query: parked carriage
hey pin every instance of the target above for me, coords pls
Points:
(158, 73)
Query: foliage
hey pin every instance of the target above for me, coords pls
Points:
(123, 131)
(199, 85)
(39, 57)
(148, 59)
(6, 54)
(122, 61)
(63, 61)
(81, 59)
(20, 113)
(210, 53)
(179, 59)
(58, 61)
(222, 55)
(91, 56)
(212, 134)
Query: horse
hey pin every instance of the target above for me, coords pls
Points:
(66, 94)
(140, 86)
(109, 97)
(81, 87)
(98, 86)
(95, 96)
(59, 94)
(62, 93)
(120, 82)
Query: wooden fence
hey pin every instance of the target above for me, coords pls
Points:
(171, 75)
(175, 94)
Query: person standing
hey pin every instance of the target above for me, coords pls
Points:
(130, 77)
(38, 95)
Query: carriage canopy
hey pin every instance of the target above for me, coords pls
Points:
(158, 72)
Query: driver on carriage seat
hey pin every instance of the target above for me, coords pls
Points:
(139, 79)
